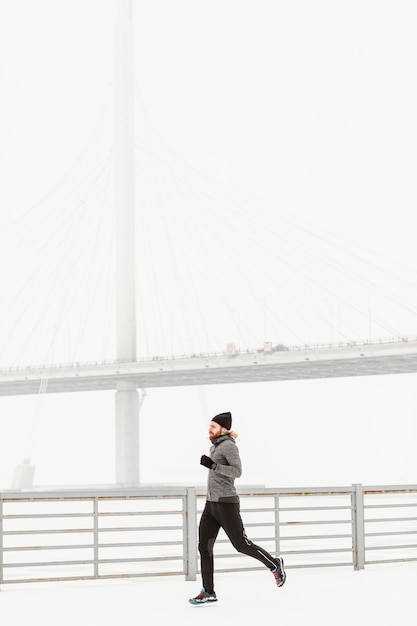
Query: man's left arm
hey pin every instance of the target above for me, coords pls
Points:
(234, 467)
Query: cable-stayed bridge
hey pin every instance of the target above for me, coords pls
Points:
(308, 362)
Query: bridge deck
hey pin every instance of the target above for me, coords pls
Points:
(307, 363)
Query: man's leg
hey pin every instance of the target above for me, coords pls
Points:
(229, 517)
(207, 534)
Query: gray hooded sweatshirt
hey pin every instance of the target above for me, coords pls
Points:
(220, 483)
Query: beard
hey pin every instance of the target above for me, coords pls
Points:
(213, 436)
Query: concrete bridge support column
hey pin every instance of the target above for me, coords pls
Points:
(127, 434)
(127, 396)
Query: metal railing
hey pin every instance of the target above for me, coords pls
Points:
(116, 533)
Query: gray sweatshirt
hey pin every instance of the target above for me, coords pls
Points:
(220, 483)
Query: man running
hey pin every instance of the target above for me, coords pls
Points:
(222, 509)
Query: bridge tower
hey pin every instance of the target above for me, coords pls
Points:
(127, 404)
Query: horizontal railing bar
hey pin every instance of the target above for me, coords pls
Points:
(295, 538)
(164, 494)
(143, 544)
(288, 492)
(304, 523)
(86, 495)
(13, 581)
(254, 539)
(90, 530)
(47, 563)
(391, 519)
(89, 546)
(315, 522)
(389, 506)
(405, 560)
(260, 524)
(295, 509)
(102, 576)
(260, 510)
(90, 562)
(52, 531)
(293, 552)
(19, 497)
(310, 565)
(394, 532)
(141, 574)
(142, 559)
(138, 528)
(315, 508)
(384, 489)
(100, 514)
(139, 513)
(81, 546)
(324, 551)
(287, 567)
(47, 515)
(406, 546)
(304, 537)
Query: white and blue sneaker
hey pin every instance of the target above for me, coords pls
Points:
(203, 598)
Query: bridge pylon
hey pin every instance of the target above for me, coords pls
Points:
(127, 402)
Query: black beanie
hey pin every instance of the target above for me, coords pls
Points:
(224, 419)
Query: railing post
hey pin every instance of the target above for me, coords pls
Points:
(277, 528)
(95, 536)
(190, 504)
(358, 528)
(1, 541)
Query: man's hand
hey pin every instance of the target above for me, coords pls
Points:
(207, 462)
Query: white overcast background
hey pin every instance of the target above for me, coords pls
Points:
(275, 170)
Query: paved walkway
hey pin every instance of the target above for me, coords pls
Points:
(382, 595)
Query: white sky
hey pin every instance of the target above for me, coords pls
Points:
(275, 146)
(303, 110)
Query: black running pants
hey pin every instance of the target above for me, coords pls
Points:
(225, 515)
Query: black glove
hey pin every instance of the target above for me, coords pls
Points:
(207, 462)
